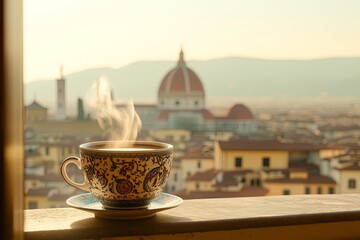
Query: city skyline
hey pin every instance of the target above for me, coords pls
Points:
(87, 34)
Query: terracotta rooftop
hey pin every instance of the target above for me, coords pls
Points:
(198, 153)
(353, 167)
(312, 179)
(273, 145)
(229, 177)
(240, 111)
(204, 176)
(181, 79)
(341, 128)
(309, 167)
(44, 191)
(276, 171)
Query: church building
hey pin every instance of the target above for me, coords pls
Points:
(181, 105)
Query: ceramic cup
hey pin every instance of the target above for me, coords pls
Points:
(122, 177)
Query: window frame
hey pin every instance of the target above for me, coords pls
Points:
(11, 105)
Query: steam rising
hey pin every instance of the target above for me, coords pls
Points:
(120, 124)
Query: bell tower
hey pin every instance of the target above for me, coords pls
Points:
(60, 103)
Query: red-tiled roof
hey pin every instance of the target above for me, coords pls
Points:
(282, 170)
(181, 79)
(204, 176)
(240, 111)
(238, 171)
(311, 179)
(353, 167)
(272, 145)
(44, 191)
(229, 177)
(198, 153)
(309, 167)
(228, 180)
(296, 170)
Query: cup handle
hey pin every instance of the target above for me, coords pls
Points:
(77, 162)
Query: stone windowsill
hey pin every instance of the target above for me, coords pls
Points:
(297, 216)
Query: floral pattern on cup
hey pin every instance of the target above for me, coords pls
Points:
(123, 179)
(126, 171)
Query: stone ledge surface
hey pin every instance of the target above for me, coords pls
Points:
(201, 215)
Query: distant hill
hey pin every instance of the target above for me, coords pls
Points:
(228, 77)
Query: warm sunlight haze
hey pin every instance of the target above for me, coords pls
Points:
(257, 98)
(85, 34)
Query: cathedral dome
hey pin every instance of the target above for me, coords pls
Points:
(181, 81)
(240, 111)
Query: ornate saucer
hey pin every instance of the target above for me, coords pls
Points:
(87, 202)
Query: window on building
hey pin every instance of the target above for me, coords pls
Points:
(307, 190)
(286, 192)
(196, 103)
(319, 190)
(252, 182)
(177, 102)
(255, 182)
(197, 185)
(47, 151)
(238, 162)
(331, 190)
(199, 164)
(352, 183)
(175, 177)
(188, 173)
(266, 162)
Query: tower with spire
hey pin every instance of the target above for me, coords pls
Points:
(60, 97)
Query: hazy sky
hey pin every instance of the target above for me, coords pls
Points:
(82, 34)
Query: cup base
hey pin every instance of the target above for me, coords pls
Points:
(124, 204)
(124, 207)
